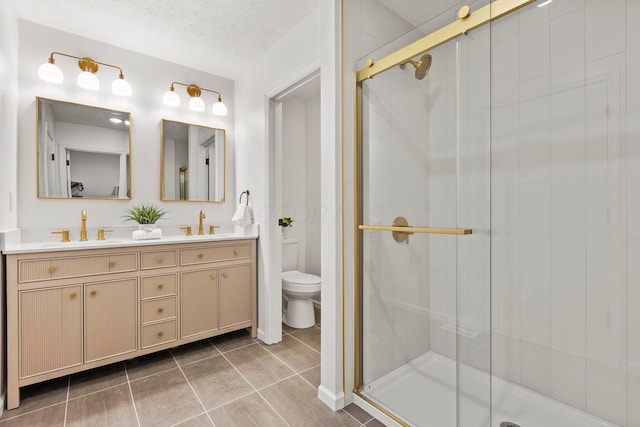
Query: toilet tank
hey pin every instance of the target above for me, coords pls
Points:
(289, 254)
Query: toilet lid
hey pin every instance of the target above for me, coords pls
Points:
(297, 277)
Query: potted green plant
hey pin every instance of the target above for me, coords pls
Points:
(145, 215)
(286, 223)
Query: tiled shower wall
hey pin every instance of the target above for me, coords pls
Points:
(565, 203)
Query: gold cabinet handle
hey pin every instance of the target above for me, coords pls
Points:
(160, 310)
(160, 259)
(213, 277)
(52, 269)
(225, 275)
(93, 293)
(160, 286)
(200, 256)
(160, 334)
(112, 264)
(72, 296)
(236, 252)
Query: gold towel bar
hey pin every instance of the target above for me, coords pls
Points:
(410, 230)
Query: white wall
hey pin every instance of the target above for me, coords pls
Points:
(278, 66)
(314, 211)
(8, 114)
(150, 78)
(294, 172)
(8, 144)
(301, 177)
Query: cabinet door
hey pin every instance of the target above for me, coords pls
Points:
(235, 295)
(110, 318)
(198, 302)
(50, 329)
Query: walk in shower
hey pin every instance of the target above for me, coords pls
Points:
(498, 218)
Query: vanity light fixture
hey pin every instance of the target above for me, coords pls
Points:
(87, 79)
(196, 103)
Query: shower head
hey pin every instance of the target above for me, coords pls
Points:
(422, 65)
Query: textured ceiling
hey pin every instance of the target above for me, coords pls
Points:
(216, 36)
(417, 12)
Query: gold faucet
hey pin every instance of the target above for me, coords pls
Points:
(203, 215)
(83, 227)
(64, 234)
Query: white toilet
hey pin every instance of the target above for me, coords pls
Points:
(298, 289)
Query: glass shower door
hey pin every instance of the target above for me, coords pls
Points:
(424, 296)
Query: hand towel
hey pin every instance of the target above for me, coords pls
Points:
(242, 215)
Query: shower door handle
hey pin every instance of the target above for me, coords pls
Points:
(401, 229)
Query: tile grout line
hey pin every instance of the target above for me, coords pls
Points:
(189, 419)
(238, 348)
(193, 390)
(255, 389)
(298, 339)
(135, 410)
(66, 403)
(282, 361)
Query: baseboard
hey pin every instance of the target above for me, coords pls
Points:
(333, 401)
(2, 396)
(261, 335)
(379, 415)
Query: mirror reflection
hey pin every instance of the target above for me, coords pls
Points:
(82, 151)
(193, 162)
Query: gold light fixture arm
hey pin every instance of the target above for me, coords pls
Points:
(195, 90)
(86, 63)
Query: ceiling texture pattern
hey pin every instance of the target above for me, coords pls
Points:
(216, 36)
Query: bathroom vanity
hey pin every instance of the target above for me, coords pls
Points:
(72, 308)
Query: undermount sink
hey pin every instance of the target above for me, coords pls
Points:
(78, 243)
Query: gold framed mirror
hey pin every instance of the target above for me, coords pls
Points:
(82, 151)
(192, 162)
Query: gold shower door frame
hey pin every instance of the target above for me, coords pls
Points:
(467, 21)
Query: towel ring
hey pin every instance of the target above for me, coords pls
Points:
(242, 194)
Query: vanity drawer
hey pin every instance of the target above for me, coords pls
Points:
(214, 253)
(158, 286)
(159, 333)
(158, 259)
(159, 309)
(123, 262)
(60, 268)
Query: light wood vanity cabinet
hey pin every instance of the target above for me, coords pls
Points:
(51, 325)
(110, 316)
(74, 310)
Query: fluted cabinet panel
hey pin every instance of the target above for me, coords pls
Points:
(235, 292)
(110, 318)
(51, 329)
(60, 268)
(199, 302)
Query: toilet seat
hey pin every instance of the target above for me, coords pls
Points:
(296, 281)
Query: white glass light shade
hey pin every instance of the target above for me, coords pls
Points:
(196, 104)
(88, 80)
(219, 109)
(50, 72)
(121, 87)
(171, 98)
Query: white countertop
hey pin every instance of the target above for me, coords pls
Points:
(117, 242)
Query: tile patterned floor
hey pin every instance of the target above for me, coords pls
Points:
(229, 380)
